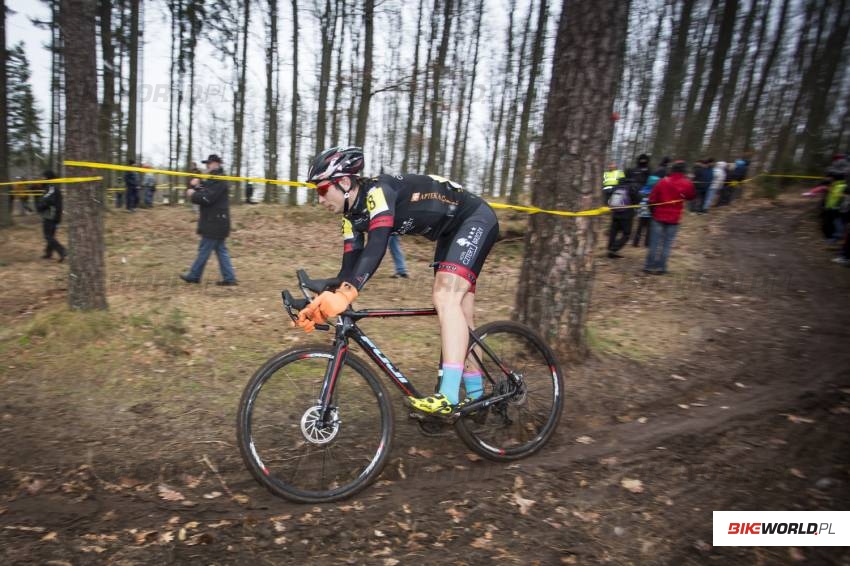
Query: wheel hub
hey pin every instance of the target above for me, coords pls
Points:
(313, 429)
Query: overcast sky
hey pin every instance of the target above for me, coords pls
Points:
(214, 77)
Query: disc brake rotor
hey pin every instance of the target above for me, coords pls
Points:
(312, 428)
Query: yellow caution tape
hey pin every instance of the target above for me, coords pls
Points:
(63, 181)
(95, 165)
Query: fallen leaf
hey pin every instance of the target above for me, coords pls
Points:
(797, 473)
(222, 523)
(473, 457)
(413, 451)
(481, 542)
(523, 503)
(280, 540)
(166, 537)
(586, 516)
(799, 420)
(390, 562)
(200, 538)
(240, 498)
(642, 420)
(181, 534)
(610, 461)
(741, 385)
(378, 533)
(169, 494)
(456, 515)
(683, 406)
(678, 377)
(635, 486)
(519, 483)
(401, 473)
(36, 486)
(212, 495)
(796, 554)
(145, 537)
(585, 440)
(191, 481)
(49, 537)
(93, 548)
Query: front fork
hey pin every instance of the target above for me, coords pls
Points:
(332, 372)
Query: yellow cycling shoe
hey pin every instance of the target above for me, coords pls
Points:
(433, 404)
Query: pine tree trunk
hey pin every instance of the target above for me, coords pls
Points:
(730, 84)
(437, 94)
(411, 97)
(687, 116)
(693, 142)
(743, 101)
(107, 106)
(5, 209)
(490, 183)
(673, 78)
(195, 24)
(748, 122)
(293, 129)
(324, 77)
(239, 130)
(133, 101)
(366, 82)
(507, 152)
(87, 277)
(341, 9)
(555, 284)
(462, 172)
(272, 88)
(521, 163)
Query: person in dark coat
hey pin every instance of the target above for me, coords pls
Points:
(213, 224)
(703, 175)
(49, 205)
(131, 184)
(619, 199)
(661, 170)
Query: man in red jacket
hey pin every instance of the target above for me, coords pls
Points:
(672, 190)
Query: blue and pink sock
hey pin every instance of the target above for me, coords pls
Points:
(473, 381)
(450, 375)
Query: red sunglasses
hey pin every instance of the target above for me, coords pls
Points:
(323, 187)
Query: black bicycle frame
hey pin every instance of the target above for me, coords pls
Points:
(346, 329)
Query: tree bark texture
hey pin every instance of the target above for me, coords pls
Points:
(557, 273)
(5, 209)
(366, 79)
(437, 95)
(84, 214)
(133, 96)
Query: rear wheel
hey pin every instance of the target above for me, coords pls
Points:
(295, 450)
(522, 423)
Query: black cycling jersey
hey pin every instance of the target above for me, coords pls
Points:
(424, 205)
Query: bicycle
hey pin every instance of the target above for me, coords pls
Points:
(316, 425)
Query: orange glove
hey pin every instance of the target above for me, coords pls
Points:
(326, 305)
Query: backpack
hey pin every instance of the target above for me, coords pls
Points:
(619, 197)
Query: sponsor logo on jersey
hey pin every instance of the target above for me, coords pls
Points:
(433, 196)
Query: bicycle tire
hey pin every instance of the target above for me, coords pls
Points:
(272, 435)
(536, 361)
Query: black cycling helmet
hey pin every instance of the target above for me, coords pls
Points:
(336, 162)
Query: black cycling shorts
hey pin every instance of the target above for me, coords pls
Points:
(464, 250)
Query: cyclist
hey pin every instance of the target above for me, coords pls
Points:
(463, 225)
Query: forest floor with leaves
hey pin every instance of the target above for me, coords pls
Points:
(724, 385)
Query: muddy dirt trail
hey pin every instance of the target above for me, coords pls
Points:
(752, 413)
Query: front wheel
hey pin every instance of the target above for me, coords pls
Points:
(521, 423)
(300, 452)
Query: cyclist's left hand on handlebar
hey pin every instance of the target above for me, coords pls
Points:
(326, 305)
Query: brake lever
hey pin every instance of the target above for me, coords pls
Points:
(289, 303)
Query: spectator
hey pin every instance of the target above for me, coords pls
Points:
(738, 175)
(49, 205)
(193, 169)
(661, 171)
(645, 213)
(131, 184)
(670, 190)
(703, 174)
(640, 172)
(620, 199)
(249, 193)
(612, 176)
(213, 224)
(832, 206)
(398, 257)
(718, 177)
(149, 184)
